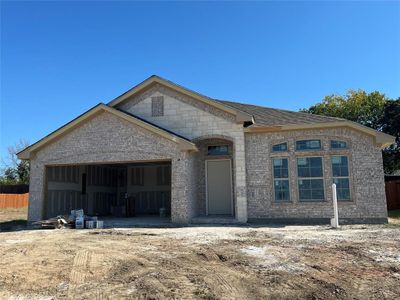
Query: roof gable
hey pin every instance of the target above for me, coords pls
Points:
(239, 115)
(183, 143)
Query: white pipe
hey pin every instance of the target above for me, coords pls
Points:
(335, 219)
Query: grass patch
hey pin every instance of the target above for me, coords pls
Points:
(13, 225)
(13, 218)
(394, 214)
(394, 217)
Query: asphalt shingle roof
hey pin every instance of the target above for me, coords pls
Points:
(265, 116)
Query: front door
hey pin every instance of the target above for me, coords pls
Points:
(219, 187)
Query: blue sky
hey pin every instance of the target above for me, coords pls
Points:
(58, 59)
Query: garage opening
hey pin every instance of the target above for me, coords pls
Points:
(115, 190)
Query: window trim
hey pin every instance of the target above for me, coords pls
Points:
(288, 180)
(323, 180)
(343, 177)
(321, 148)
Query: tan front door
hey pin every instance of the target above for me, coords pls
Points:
(219, 187)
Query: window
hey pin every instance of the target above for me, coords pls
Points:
(308, 145)
(338, 145)
(310, 179)
(279, 147)
(157, 106)
(281, 180)
(218, 150)
(340, 174)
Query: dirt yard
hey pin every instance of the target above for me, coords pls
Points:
(296, 262)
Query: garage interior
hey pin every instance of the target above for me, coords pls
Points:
(110, 190)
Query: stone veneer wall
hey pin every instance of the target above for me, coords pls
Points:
(366, 176)
(196, 120)
(109, 139)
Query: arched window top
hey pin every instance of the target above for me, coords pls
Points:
(280, 147)
(308, 145)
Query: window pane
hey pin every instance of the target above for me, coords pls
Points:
(340, 166)
(340, 173)
(282, 190)
(342, 188)
(309, 167)
(311, 189)
(218, 150)
(338, 145)
(308, 145)
(279, 147)
(281, 168)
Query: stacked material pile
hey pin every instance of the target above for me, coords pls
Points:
(77, 219)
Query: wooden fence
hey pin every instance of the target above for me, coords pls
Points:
(14, 200)
(392, 186)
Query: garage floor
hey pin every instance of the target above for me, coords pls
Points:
(140, 221)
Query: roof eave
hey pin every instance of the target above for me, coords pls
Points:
(382, 140)
(183, 144)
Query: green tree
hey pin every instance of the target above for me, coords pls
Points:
(374, 110)
(390, 124)
(357, 106)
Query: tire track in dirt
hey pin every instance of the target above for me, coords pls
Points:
(80, 267)
(84, 269)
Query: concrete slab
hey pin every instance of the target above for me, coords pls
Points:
(145, 221)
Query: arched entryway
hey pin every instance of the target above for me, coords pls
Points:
(215, 180)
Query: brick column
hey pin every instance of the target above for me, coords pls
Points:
(182, 188)
(240, 178)
(36, 191)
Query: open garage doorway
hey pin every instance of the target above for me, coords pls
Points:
(110, 190)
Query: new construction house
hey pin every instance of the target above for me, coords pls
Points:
(160, 147)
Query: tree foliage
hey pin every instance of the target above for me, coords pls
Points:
(374, 110)
(15, 171)
(357, 106)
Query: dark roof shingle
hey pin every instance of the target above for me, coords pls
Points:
(265, 116)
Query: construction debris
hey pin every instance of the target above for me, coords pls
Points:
(77, 219)
(54, 223)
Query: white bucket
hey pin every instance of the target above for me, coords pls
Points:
(90, 224)
(99, 224)
(79, 223)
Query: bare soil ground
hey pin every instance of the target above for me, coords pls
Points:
(292, 262)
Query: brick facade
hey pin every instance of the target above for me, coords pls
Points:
(107, 138)
(368, 200)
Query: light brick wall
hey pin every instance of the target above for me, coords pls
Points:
(109, 139)
(195, 120)
(366, 176)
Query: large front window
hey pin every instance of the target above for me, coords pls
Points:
(340, 174)
(310, 179)
(281, 180)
